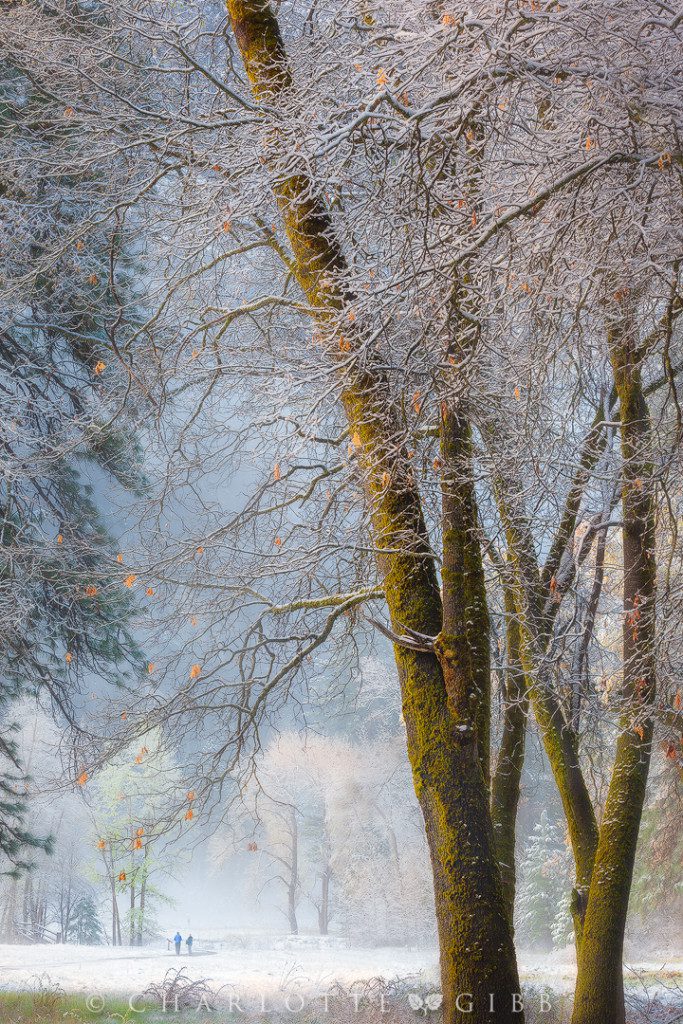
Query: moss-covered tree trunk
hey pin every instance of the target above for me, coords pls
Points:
(559, 740)
(599, 988)
(506, 781)
(473, 917)
(449, 763)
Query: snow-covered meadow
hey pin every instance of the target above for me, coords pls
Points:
(250, 971)
(253, 971)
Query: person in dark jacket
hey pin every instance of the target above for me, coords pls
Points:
(177, 938)
(188, 942)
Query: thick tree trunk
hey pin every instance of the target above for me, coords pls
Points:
(448, 761)
(599, 988)
(472, 916)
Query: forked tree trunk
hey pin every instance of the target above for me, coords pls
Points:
(448, 761)
(559, 740)
(599, 987)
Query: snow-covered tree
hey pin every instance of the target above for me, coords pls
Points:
(85, 927)
(417, 279)
(64, 611)
(543, 918)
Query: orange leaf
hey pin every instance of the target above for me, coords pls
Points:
(119, 557)
(101, 845)
(93, 279)
(137, 845)
(68, 657)
(60, 538)
(91, 591)
(417, 401)
(517, 393)
(448, 19)
(382, 77)
(588, 143)
(150, 591)
(150, 666)
(82, 779)
(129, 580)
(80, 245)
(276, 471)
(226, 225)
(639, 731)
(278, 542)
(191, 795)
(189, 815)
(200, 550)
(140, 832)
(386, 479)
(124, 716)
(69, 112)
(122, 876)
(356, 441)
(678, 700)
(437, 463)
(195, 671)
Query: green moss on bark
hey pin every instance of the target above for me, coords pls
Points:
(599, 988)
(505, 786)
(477, 954)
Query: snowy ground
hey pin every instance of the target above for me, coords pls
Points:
(304, 966)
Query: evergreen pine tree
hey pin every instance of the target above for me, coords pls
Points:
(64, 418)
(85, 928)
(542, 909)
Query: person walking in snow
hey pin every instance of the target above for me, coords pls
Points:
(177, 938)
(188, 942)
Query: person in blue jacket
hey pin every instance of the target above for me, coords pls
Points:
(188, 942)
(177, 938)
